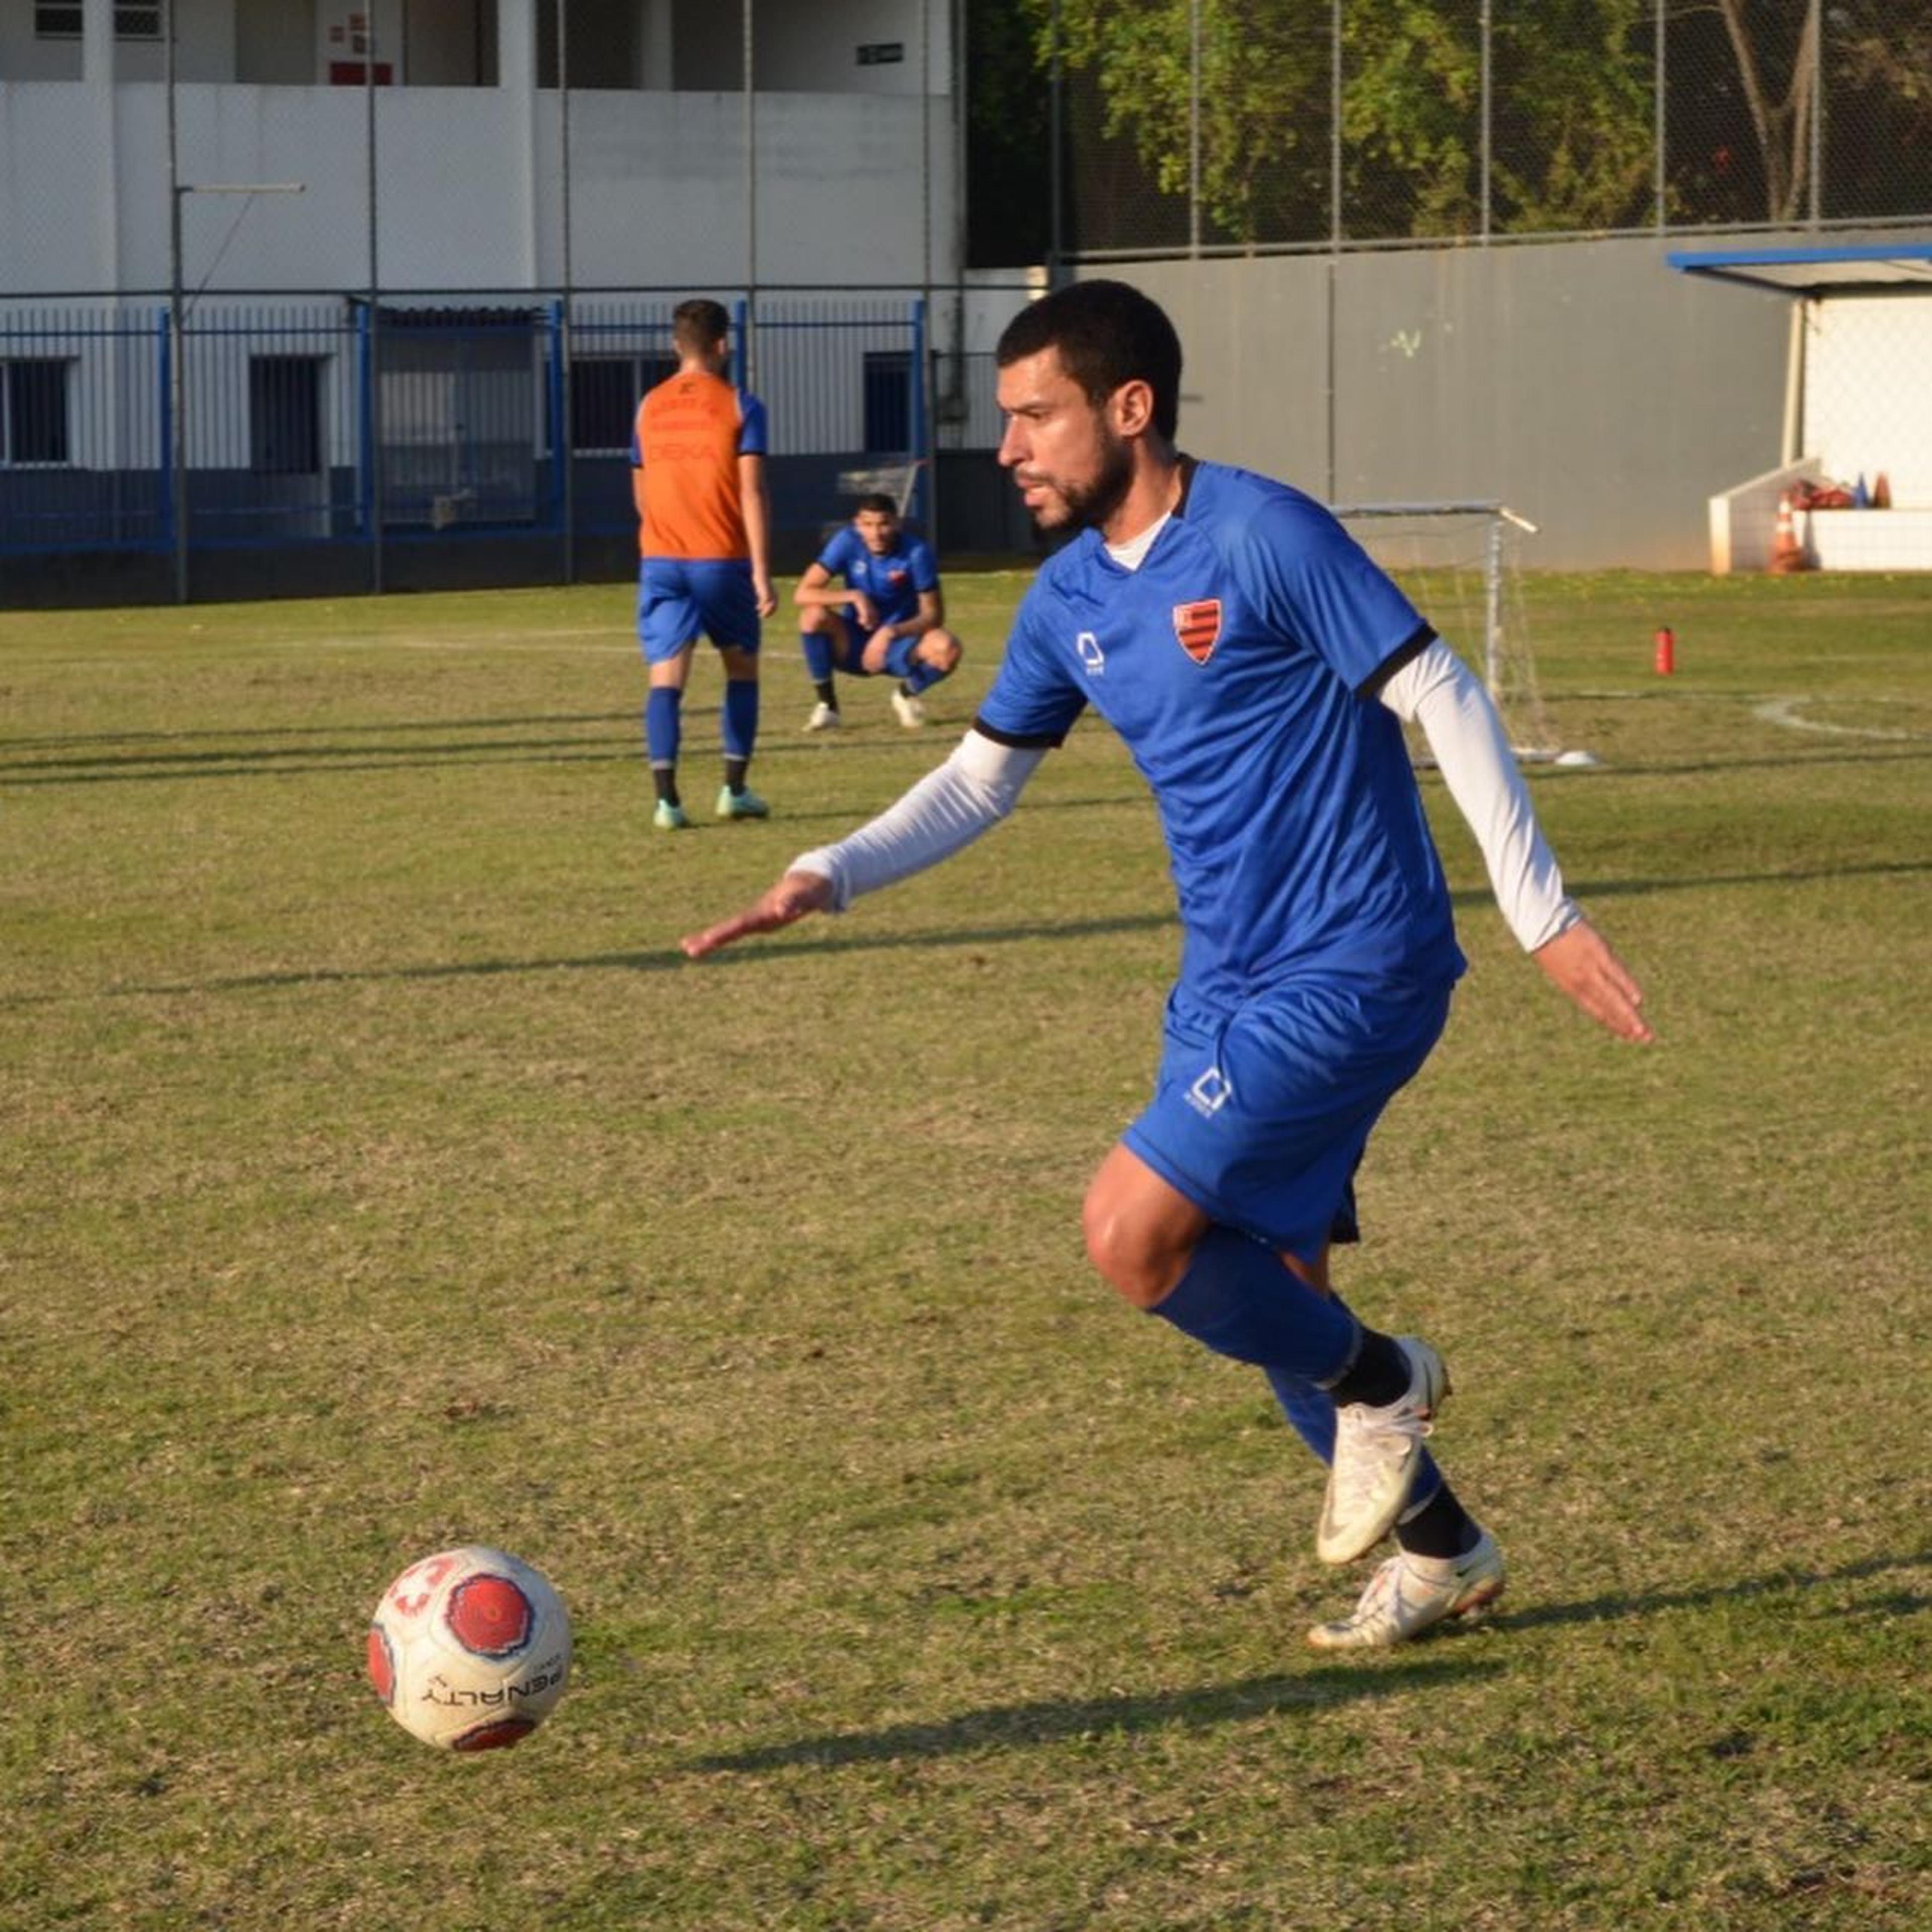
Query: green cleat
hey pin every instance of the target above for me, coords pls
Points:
(741, 804)
(669, 817)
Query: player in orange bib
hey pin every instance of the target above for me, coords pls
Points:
(697, 474)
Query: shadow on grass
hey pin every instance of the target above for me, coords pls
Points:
(298, 751)
(295, 752)
(667, 959)
(1610, 1608)
(752, 953)
(122, 741)
(1009, 1726)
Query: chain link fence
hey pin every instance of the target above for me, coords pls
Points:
(1193, 126)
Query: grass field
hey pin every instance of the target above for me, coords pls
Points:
(376, 1175)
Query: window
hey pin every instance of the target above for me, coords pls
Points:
(604, 392)
(33, 412)
(285, 415)
(60, 20)
(888, 399)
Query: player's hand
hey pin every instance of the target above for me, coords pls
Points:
(761, 589)
(1578, 961)
(878, 648)
(865, 612)
(794, 896)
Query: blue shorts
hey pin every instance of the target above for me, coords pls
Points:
(848, 649)
(1260, 1116)
(679, 601)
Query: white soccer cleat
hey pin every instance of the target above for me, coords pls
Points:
(1377, 1453)
(908, 711)
(1409, 1594)
(824, 717)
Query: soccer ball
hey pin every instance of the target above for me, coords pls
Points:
(469, 1649)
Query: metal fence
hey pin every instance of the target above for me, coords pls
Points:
(282, 421)
(1196, 126)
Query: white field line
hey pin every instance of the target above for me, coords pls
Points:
(1784, 711)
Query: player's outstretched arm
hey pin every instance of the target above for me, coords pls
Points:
(943, 814)
(1579, 961)
(794, 896)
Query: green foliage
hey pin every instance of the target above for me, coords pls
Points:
(1573, 108)
(375, 1173)
(1573, 138)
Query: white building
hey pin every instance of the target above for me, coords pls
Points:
(840, 170)
(304, 275)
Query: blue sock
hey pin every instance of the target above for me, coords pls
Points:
(740, 722)
(1241, 1299)
(1310, 1411)
(663, 721)
(817, 648)
(923, 677)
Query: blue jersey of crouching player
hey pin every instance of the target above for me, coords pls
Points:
(894, 582)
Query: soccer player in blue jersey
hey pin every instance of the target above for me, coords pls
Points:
(1259, 668)
(887, 614)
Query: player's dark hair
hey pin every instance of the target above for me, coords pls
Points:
(877, 500)
(1107, 333)
(699, 324)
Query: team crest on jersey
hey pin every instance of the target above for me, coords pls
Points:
(1198, 627)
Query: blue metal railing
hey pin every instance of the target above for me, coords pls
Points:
(298, 416)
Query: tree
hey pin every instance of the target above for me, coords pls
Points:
(1232, 99)
(1782, 122)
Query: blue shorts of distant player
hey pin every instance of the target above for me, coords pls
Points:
(1260, 1115)
(679, 600)
(848, 649)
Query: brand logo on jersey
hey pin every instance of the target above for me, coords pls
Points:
(1198, 627)
(1209, 1092)
(1091, 655)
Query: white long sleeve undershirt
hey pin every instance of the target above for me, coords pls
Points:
(970, 792)
(980, 783)
(1438, 692)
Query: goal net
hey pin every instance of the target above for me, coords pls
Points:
(1460, 565)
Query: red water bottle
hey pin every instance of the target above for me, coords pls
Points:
(1666, 652)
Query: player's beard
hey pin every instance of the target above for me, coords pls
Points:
(1090, 506)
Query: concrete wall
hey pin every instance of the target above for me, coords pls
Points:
(1585, 384)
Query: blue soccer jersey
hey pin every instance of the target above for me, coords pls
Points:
(893, 582)
(1239, 664)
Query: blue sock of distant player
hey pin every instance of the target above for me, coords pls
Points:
(663, 727)
(818, 666)
(740, 727)
(921, 677)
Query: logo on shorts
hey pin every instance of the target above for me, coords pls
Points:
(1209, 1092)
(1091, 655)
(1198, 628)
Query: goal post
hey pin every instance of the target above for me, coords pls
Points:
(1460, 565)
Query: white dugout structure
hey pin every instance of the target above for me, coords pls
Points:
(1858, 405)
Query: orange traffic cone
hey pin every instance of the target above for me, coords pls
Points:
(1787, 553)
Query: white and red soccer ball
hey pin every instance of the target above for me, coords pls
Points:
(469, 1649)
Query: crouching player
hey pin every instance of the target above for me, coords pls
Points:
(885, 617)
